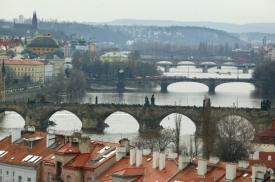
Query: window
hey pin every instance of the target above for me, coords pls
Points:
(7, 173)
(1, 179)
(0, 171)
(89, 179)
(29, 180)
(19, 178)
(68, 178)
(50, 176)
(13, 173)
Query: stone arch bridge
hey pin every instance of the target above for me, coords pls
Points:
(164, 82)
(148, 117)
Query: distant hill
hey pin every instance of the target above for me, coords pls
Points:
(228, 27)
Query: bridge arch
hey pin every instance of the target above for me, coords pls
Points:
(118, 121)
(11, 119)
(46, 117)
(101, 120)
(169, 122)
(2, 110)
(239, 112)
(201, 87)
(223, 86)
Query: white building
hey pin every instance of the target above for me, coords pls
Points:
(22, 152)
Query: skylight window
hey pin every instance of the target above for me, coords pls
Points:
(2, 153)
(32, 158)
(27, 158)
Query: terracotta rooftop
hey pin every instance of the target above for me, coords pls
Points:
(20, 154)
(124, 168)
(86, 160)
(21, 62)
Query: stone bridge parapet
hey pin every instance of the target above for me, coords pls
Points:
(148, 117)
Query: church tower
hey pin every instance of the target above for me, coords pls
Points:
(34, 21)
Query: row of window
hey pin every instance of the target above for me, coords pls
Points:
(22, 69)
(19, 178)
(50, 176)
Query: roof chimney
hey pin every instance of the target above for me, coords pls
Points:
(138, 158)
(155, 160)
(132, 156)
(183, 161)
(161, 161)
(202, 167)
(258, 171)
(124, 142)
(120, 152)
(15, 134)
(230, 171)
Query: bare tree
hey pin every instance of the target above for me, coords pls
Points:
(178, 119)
(156, 141)
(208, 128)
(234, 135)
(195, 146)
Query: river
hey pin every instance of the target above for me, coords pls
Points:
(184, 93)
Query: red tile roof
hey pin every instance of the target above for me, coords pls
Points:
(123, 167)
(21, 62)
(9, 43)
(82, 160)
(18, 151)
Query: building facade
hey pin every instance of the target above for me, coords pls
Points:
(114, 56)
(21, 153)
(20, 68)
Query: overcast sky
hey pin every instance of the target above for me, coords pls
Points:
(227, 11)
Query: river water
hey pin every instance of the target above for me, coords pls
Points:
(184, 93)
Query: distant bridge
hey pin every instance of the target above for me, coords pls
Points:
(164, 82)
(206, 65)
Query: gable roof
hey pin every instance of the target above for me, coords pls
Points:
(122, 167)
(17, 151)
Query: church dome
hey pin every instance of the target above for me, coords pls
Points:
(43, 41)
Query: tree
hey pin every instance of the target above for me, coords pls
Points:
(178, 118)
(208, 128)
(156, 141)
(266, 73)
(233, 138)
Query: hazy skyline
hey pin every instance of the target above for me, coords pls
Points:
(226, 11)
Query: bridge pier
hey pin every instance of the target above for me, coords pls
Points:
(166, 68)
(163, 86)
(205, 69)
(245, 69)
(211, 87)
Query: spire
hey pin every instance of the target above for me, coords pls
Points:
(3, 68)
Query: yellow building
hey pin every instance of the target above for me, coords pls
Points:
(114, 57)
(19, 68)
(43, 44)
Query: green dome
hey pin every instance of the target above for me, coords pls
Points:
(43, 41)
